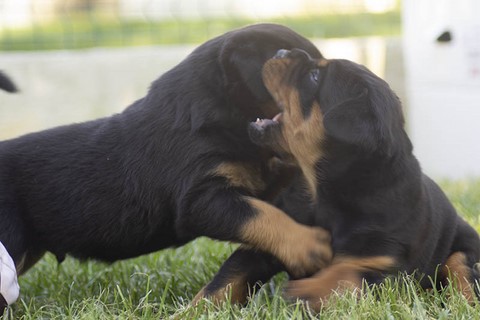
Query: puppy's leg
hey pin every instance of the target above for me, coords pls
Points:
(460, 275)
(302, 249)
(225, 214)
(346, 273)
(462, 267)
(28, 260)
(16, 236)
(239, 276)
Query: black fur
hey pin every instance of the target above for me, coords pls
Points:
(139, 181)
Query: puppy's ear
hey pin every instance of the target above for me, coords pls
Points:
(245, 51)
(352, 122)
(241, 66)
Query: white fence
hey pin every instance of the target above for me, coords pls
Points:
(443, 82)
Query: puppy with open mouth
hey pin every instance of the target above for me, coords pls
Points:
(175, 165)
(358, 178)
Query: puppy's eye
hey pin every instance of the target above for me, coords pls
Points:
(314, 75)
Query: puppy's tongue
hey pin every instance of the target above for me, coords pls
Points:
(265, 122)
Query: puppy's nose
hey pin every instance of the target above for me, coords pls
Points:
(281, 54)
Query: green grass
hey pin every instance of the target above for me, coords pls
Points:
(161, 285)
(90, 30)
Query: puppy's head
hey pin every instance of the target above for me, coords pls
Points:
(242, 56)
(224, 76)
(324, 103)
(292, 78)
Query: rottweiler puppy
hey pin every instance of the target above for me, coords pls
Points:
(358, 178)
(175, 165)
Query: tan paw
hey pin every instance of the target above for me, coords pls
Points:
(305, 251)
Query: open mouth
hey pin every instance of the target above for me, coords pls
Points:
(263, 123)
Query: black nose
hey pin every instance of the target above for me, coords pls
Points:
(293, 54)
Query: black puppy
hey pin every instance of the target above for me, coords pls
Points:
(7, 84)
(175, 165)
(344, 128)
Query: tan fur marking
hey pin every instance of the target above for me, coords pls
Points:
(380, 263)
(242, 175)
(456, 270)
(345, 273)
(235, 291)
(323, 62)
(303, 137)
(301, 248)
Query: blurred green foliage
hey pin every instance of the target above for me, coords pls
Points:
(86, 30)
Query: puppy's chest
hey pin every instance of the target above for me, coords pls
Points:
(354, 232)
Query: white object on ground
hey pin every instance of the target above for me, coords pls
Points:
(8, 277)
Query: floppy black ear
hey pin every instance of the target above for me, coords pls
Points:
(244, 53)
(242, 67)
(352, 122)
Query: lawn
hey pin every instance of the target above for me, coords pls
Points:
(161, 285)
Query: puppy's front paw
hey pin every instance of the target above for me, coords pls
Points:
(317, 290)
(310, 290)
(235, 291)
(340, 276)
(307, 250)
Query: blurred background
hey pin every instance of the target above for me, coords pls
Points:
(76, 60)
